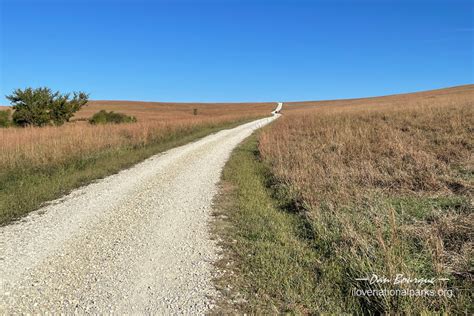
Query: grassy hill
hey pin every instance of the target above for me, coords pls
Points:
(336, 191)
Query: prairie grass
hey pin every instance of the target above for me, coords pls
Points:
(166, 111)
(387, 184)
(339, 190)
(40, 164)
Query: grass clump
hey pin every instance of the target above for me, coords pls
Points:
(104, 117)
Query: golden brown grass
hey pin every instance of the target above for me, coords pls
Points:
(387, 184)
(396, 145)
(51, 145)
(167, 111)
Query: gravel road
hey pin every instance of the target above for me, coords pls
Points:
(134, 242)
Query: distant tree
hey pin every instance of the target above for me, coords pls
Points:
(5, 118)
(40, 107)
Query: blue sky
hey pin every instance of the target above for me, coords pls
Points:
(235, 50)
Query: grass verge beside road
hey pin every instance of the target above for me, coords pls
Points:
(268, 263)
(26, 188)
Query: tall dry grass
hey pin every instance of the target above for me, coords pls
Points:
(387, 184)
(30, 147)
(161, 111)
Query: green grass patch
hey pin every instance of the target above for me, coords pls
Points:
(270, 263)
(26, 189)
(412, 208)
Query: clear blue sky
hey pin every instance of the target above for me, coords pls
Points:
(235, 50)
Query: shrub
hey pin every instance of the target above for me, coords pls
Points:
(5, 118)
(104, 117)
(40, 107)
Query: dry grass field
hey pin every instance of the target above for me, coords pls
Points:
(34, 147)
(167, 111)
(387, 185)
(40, 164)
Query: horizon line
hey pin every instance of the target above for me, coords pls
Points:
(299, 101)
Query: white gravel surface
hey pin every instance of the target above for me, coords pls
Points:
(134, 242)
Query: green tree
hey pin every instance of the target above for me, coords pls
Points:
(5, 118)
(63, 109)
(40, 107)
